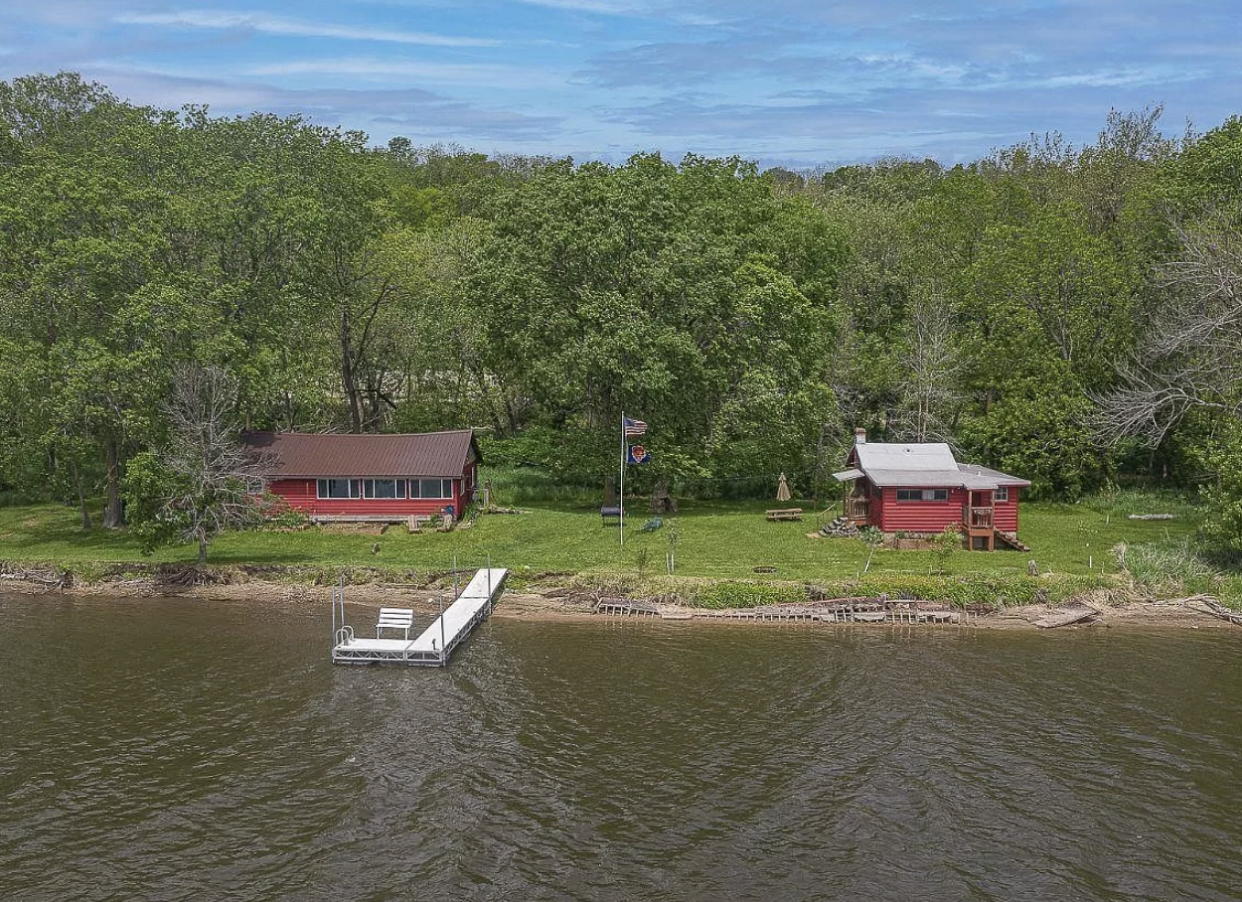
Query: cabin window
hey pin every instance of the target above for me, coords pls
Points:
(383, 488)
(337, 488)
(1001, 493)
(431, 488)
(922, 494)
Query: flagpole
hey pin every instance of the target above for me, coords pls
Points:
(621, 498)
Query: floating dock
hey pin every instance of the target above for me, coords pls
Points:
(434, 645)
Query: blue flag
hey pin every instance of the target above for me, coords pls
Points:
(637, 455)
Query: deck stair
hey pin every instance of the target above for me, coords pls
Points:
(1011, 539)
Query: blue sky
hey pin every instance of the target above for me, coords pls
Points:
(791, 82)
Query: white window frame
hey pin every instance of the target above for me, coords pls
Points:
(1000, 493)
(923, 495)
(354, 489)
(446, 484)
(368, 490)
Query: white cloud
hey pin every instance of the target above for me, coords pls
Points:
(1111, 79)
(448, 73)
(586, 6)
(280, 25)
(416, 112)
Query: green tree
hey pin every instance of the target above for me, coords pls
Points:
(667, 291)
(81, 241)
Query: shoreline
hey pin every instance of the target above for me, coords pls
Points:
(557, 605)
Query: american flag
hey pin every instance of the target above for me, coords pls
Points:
(633, 427)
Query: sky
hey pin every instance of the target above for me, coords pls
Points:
(797, 83)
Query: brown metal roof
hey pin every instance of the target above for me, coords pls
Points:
(298, 454)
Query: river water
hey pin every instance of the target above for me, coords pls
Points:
(168, 749)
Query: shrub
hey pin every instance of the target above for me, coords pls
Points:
(946, 543)
(276, 512)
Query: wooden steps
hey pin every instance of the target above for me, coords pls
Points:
(1011, 539)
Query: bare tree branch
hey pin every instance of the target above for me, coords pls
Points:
(214, 473)
(1192, 357)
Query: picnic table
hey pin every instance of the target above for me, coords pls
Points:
(787, 513)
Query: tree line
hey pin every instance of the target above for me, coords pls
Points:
(1068, 314)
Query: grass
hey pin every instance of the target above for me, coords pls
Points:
(716, 539)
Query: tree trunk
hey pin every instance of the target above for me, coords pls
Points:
(77, 484)
(349, 381)
(202, 545)
(511, 414)
(113, 517)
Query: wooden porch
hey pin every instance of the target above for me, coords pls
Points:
(978, 522)
(857, 509)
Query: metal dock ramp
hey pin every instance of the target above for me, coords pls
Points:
(433, 647)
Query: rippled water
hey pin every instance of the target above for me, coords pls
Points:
(170, 749)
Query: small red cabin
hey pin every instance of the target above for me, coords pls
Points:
(371, 477)
(920, 488)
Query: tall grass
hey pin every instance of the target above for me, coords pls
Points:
(1167, 567)
(513, 486)
(1124, 502)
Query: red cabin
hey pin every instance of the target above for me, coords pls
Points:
(371, 477)
(920, 488)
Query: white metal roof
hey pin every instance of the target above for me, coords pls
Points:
(996, 475)
(922, 465)
(927, 456)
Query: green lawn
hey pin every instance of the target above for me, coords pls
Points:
(717, 539)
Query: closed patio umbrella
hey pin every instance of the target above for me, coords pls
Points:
(782, 490)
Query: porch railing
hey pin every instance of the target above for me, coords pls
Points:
(857, 508)
(978, 517)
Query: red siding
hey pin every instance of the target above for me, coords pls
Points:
(299, 494)
(891, 515)
(919, 516)
(1006, 516)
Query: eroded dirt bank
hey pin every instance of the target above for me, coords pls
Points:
(563, 604)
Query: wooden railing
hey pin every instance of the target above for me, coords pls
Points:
(978, 517)
(857, 508)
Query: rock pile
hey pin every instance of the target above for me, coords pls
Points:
(839, 528)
